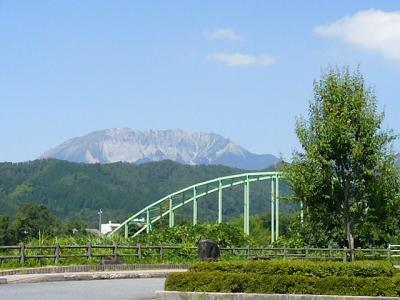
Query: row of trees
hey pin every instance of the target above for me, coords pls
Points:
(77, 191)
(346, 173)
(31, 221)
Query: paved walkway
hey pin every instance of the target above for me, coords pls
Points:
(120, 289)
(74, 276)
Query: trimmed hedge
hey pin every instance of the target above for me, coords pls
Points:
(319, 269)
(282, 284)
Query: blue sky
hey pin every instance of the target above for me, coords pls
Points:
(243, 69)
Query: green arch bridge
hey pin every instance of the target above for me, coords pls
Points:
(167, 205)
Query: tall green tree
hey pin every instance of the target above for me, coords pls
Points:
(30, 219)
(345, 174)
(6, 233)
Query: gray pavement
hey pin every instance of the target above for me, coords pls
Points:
(137, 289)
(74, 276)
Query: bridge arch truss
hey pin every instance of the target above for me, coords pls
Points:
(167, 205)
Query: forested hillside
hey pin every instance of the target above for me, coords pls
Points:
(78, 191)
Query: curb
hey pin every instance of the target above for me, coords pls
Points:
(3, 280)
(92, 268)
(37, 278)
(172, 295)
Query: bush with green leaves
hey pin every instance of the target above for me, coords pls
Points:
(226, 235)
(319, 269)
(282, 284)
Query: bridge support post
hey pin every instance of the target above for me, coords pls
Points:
(246, 206)
(171, 215)
(220, 202)
(126, 230)
(272, 209)
(277, 207)
(148, 222)
(194, 206)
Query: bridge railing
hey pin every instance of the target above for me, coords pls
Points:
(33, 255)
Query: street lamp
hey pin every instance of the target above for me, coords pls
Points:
(99, 213)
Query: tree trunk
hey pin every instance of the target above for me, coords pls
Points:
(348, 224)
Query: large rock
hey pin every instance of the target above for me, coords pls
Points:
(208, 250)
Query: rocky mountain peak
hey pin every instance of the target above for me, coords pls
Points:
(137, 146)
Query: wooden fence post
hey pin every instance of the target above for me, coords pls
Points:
(344, 254)
(388, 253)
(89, 251)
(161, 251)
(330, 252)
(284, 252)
(139, 251)
(57, 253)
(306, 252)
(22, 254)
(115, 253)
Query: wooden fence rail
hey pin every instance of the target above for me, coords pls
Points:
(58, 252)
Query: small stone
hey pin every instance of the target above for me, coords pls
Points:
(110, 260)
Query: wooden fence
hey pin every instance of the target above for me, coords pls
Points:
(57, 252)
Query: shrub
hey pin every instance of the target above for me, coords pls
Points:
(298, 267)
(226, 235)
(282, 284)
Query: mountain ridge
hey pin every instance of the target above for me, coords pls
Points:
(137, 146)
(74, 191)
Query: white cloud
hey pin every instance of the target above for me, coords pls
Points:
(242, 59)
(223, 34)
(371, 29)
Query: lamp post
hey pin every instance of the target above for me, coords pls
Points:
(99, 213)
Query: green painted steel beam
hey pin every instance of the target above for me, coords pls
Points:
(216, 184)
(277, 207)
(272, 210)
(171, 214)
(195, 205)
(248, 207)
(148, 221)
(244, 206)
(220, 202)
(263, 176)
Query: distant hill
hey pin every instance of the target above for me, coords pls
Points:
(78, 191)
(134, 146)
